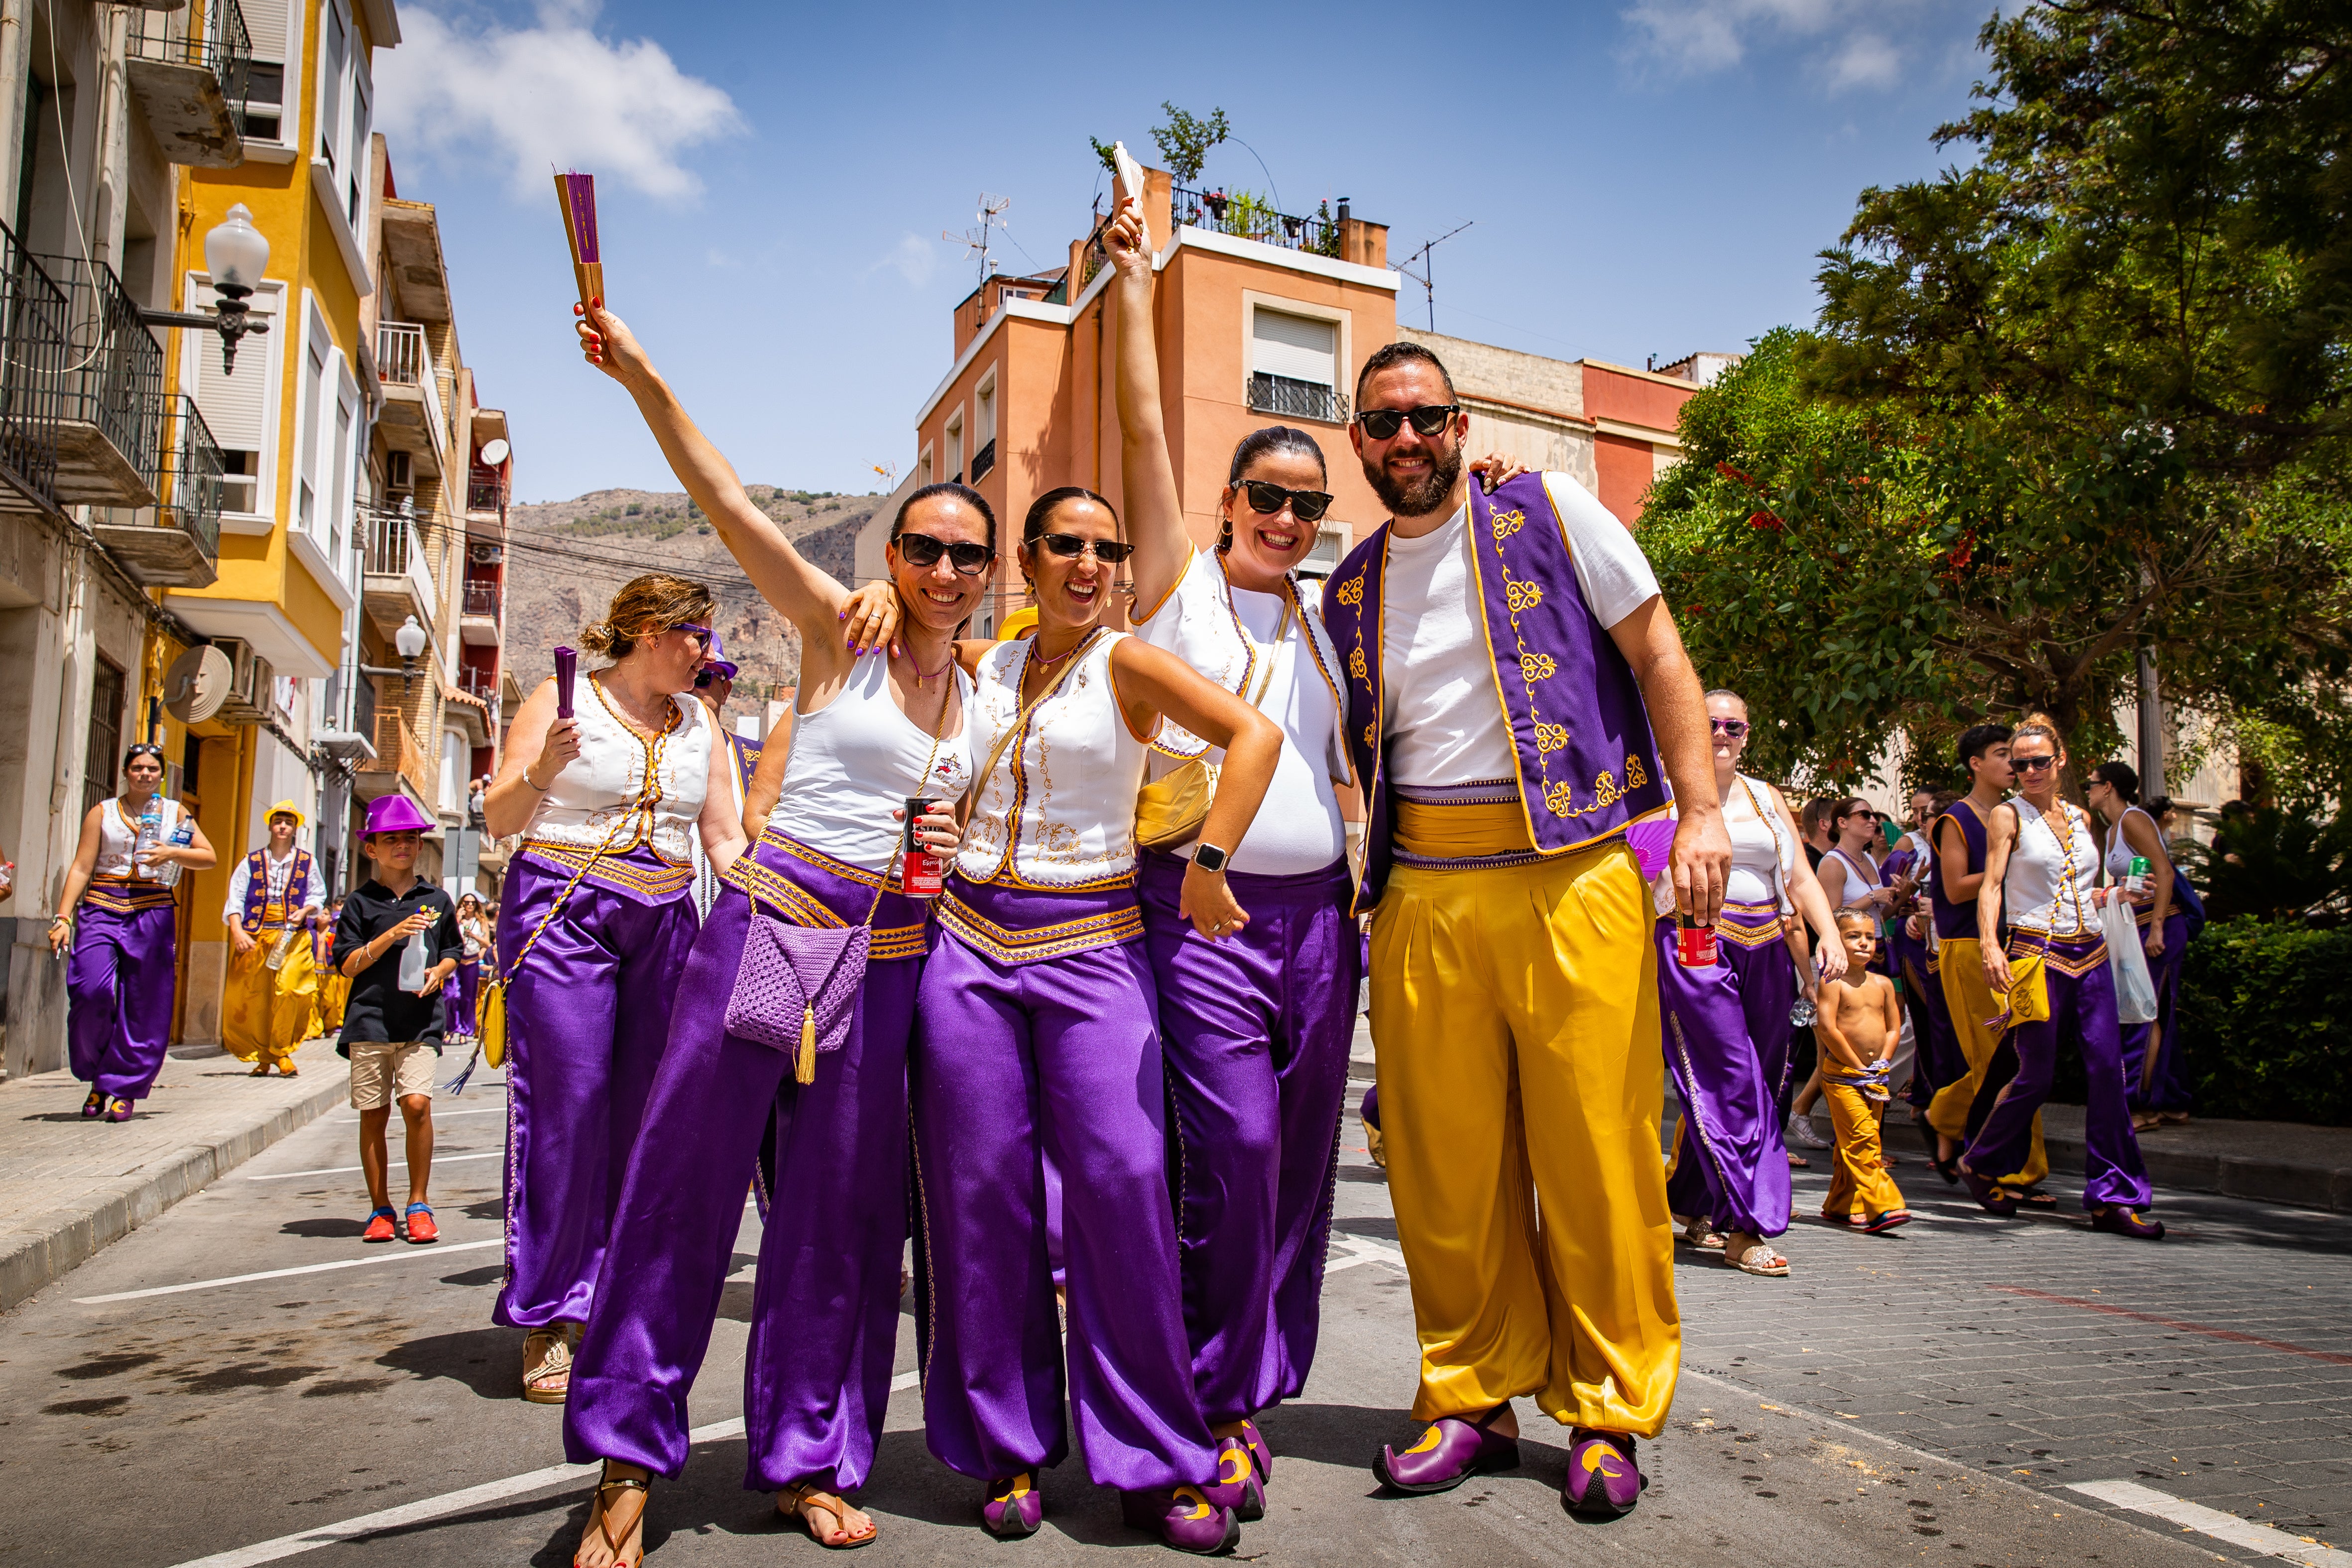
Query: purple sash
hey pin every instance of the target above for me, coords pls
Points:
(1587, 763)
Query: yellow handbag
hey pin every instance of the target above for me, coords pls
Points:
(490, 1022)
(1171, 810)
(2029, 987)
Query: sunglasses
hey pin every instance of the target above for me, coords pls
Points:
(1306, 506)
(2032, 765)
(701, 634)
(1380, 424)
(922, 549)
(704, 679)
(1735, 727)
(1110, 552)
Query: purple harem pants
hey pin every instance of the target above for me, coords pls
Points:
(1026, 1048)
(824, 1306)
(2083, 1013)
(2162, 1084)
(1255, 1030)
(1726, 1029)
(120, 977)
(588, 1010)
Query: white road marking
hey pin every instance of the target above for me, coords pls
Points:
(346, 1170)
(404, 1254)
(427, 1510)
(1361, 1249)
(2269, 1540)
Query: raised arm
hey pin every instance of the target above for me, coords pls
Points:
(1155, 514)
(809, 599)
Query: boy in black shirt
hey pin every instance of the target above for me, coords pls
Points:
(392, 1034)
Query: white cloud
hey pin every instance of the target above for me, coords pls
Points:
(551, 94)
(914, 259)
(1844, 38)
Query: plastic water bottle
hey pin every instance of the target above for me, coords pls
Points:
(168, 873)
(150, 833)
(412, 963)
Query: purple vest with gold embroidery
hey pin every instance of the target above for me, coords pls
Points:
(1587, 763)
(257, 883)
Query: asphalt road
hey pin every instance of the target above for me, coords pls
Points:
(1932, 1396)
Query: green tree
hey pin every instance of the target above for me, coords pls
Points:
(1184, 142)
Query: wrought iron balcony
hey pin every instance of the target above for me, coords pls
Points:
(1280, 394)
(482, 599)
(486, 492)
(480, 684)
(110, 405)
(412, 419)
(34, 353)
(175, 545)
(190, 69)
(983, 460)
(1244, 216)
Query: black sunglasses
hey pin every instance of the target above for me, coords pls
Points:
(1306, 506)
(1110, 552)
(2032, 765)
(1380, 424)
(704, 679)
(922, 549)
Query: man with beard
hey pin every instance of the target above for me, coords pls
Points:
(1505, 744)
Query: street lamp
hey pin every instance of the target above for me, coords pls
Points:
(410, 642)
(236, 253)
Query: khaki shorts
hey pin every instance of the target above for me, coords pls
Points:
(381, 1070)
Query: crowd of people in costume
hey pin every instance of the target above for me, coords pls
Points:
(1044, 954)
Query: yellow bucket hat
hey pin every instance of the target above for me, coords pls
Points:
(285, 808)
(1023, 619)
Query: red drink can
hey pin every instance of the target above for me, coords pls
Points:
(922, 874)
(1695, 944)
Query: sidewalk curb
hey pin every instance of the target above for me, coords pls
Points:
(69, 1237)
(2233, 1175)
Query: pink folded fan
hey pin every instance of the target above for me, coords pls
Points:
(576, 195)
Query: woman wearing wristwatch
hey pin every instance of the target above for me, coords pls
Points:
(118, 914)
(1036, 1027)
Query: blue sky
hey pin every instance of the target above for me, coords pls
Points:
(1644, 176)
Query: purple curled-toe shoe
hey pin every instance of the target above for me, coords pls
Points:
(1236, 1487)
(1012, 1509)
(1448, 1454)
(1604, 1480)
(1183, 1519)
(1261, 1456)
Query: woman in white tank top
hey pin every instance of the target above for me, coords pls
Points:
(117, 912)
(1036, 1027)
(595, 919)
(2041, 867)
(2154, 1080)
(870, 734)
(1726, 1028)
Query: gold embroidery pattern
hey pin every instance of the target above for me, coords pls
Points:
(1635, 777)
(1008, 946)
(1372, 735)
(1523, 595)
(1508, 523)
(1552, 737)
(614, 872)
(1534, 667)
(1351, 592)
(1356, 663)
(126, 895)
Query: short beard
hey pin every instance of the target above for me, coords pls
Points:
(1422, 497)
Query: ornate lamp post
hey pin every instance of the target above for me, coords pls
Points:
(236, 253)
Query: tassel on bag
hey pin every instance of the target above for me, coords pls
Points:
(804, 1066)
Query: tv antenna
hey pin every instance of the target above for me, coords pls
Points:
(1427, 271)
(976, 238)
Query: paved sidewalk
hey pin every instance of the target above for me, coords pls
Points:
(2270, 1162)
(69, 1186)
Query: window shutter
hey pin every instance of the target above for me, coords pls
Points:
(265, 24)
(1296, 348)
(236, 405)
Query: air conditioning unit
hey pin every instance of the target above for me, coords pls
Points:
(399, 470)
(252, 685)
(487, 554)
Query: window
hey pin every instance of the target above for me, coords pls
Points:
(334, 67)
(265, 94)
(1294, 366)
(306, 442)
(955, 447)
(923, 468)
(983, 411)
(325, 456)
(106, 693)
(240, 405)
(1331, 545)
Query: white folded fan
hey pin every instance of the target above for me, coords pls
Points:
(1129, 176)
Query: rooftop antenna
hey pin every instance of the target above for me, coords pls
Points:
(990, 217)
(1427, 271)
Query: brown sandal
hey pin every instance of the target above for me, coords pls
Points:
(795, 1502)
(629, 1551)
(547, 1366)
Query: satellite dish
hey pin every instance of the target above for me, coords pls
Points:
(494, 452)
(197, 684)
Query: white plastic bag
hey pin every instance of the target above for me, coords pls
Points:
(2135, 988)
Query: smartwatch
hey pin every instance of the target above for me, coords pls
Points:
(1209, 857)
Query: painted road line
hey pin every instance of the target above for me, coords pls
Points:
(2268, 1540)
(2208, 1330)
(1361, 1249)
(405, 1254)
(438, 1160)
(427, 1510)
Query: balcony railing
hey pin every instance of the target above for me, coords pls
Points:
(390, 540)
(482, 599)
(1244, 216)
(401, 355)
(1281, 395)
(34, 314)
(480, 684)
(114, 379)
(192, 66)
(487, 492)
(983, 460)
(189, 484)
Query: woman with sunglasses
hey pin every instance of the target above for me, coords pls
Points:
(1726, 1026)
(466, 981)
(1037, 1030)
(599, 914)
(119, 916)
(2054, 981)
(824, 1131)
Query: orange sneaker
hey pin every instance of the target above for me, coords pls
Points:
(379, 1226)
(420, 1228)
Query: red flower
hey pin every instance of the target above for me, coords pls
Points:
(1765, 520)
(1728, 472)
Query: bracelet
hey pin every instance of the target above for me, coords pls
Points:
(533, 782)
(63, 916)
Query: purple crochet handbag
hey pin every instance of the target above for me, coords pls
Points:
(797, 987)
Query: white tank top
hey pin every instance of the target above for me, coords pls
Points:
(855, 760)
(118, 835)
(2120, 853)
(1857, 887)
(1228, 635)
(1759, 857)
(604, 793)
(2048, 885)
(1058, 811)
